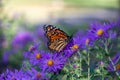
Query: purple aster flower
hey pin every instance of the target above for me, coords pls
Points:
(112, 35)
(73, 45)
(41, 35)
(118, 22)
(115, 60)
(118, 26)
(16, 75)
(36, 57)
(2, 76)
(27, 54)
(6, 56)
(68, 53)
(100, 64)
(36, 75)
(21, 39)
(88, 40)
(53, 62)
(98, 30)
(32, 48)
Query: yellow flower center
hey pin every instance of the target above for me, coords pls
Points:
(38, 75)
(100, 32)
(50, 62)
(118, 66)
(75, 47)
(38, 56)
(87, 41)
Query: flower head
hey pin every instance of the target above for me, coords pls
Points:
(98, 30)
(36, 57)
(118, 22)
(31, 50)
(22, 39)
(53, 62)
(88, 40)
(74, 44)
(100, 64)
(2, 76)
(40, 33)
(112, 34)
(36, 75)
(6, 56)
(16, 75)
(34, 47)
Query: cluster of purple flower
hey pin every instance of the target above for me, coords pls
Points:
(22, 39)
(19, 42)
(80, 41)
(32, 74)
(53, 62)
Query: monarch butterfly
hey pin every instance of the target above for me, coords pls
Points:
(58, 39)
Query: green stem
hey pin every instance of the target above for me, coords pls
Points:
(88, 54)
(80, 64)
(102, 74)
(101, 67)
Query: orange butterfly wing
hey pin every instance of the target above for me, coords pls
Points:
(58, 39)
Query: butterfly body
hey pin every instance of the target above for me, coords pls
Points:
(58, 39)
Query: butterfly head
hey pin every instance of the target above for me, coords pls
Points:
(48, 27)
